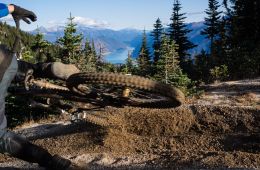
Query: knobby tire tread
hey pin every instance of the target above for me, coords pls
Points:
(132, 81)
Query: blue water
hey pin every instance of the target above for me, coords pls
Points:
(118, 56)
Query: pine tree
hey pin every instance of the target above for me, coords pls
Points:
(93, 49)
(178, 33)
(87, 49)
(202, 66)
(157, 33)
(40, 45)
(129, 67)
(144, 61)
(7, 37)
(168, 62)
(168, 68)
(53, 53)
(246, 22)
(70, 43)
(257, 19)
(212, 30)
(90, 57)
(222, 44)
(100, 57)
(245, 39)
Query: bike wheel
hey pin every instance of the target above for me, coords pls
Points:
(143, 90)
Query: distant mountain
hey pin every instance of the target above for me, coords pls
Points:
(112, 40)
(118, 42)
(197, 38)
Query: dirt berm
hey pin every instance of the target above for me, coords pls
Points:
(192, 136)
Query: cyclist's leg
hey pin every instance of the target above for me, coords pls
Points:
(17, 146)
(56, 70)
(4, 84)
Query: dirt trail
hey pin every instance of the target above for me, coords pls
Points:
(192, 136)
(232, 93)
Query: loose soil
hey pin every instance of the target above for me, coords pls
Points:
(193, 136)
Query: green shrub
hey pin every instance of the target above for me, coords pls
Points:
(219, 73)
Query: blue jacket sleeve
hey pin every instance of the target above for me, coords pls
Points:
(3, 10)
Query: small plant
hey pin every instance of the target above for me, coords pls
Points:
(27, 56)
(219, 73)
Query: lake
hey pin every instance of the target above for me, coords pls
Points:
(118, 56)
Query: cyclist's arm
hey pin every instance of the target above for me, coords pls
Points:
(5, 9)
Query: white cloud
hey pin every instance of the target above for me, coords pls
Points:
(54, 23)
(80, 21)
(90, 22)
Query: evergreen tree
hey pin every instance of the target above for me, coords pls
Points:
(157, 33)
(202, 65)
(178, 33)
(244, 40)
(8, 33)
(93, 50)
(90, 57)
(212, 30)
(70, 43)
(222, 44)
(87, 49)
(100, 57)
(257, 19)
(168, 62)
(144, 61)
(129, 67)
(40, 46)
(53, 53)
(168, 68)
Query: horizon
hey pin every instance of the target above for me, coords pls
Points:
(115, 15)
(85, 26)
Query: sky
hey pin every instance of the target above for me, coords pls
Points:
(114, 14)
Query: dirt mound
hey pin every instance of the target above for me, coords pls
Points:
(192, 136)
(145, 122)
(226, 119)
(186, 128)
(179, 121)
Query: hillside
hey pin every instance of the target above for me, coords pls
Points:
(7, 36)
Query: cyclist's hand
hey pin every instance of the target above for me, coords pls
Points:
(24, 14)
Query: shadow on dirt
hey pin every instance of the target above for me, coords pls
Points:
(171, 160)
(10, 168)
(56, 130)
(242, 142)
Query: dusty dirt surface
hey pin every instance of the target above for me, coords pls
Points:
(232, 93)
(196, 135)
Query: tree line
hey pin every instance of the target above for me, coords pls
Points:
(233, 33)
(234, 50)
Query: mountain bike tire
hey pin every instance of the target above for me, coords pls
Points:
(173, 94)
